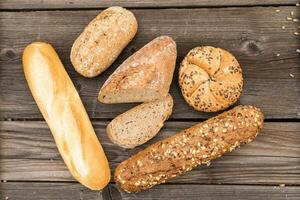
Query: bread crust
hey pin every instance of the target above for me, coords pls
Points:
(143, 127)
(101, 42)
(189, 148)
(65, 115)
(150, 68)
(210, 79)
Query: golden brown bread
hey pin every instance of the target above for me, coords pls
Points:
(189, 148)
(210, 79)
(145, 76)
(65, 115)
(101, 42)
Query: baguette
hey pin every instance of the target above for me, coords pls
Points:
(102, 41)
(189, 148)
(141, 123)
(145, 76)
(65, 115)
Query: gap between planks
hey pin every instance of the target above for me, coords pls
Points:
(143, 8)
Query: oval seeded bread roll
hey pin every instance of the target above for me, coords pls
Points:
(101, 42)
(210, 79)
(144, 76)
(141, 123)
(189, 148)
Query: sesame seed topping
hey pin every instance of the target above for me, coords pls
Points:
(283, 27)
(137, 183)
(292, 75)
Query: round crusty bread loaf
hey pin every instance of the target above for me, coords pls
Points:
(210, 79)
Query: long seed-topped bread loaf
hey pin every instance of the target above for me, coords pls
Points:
(189, 148)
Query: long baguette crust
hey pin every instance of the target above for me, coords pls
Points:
(189, 148)
(102, 41)
(64, 112)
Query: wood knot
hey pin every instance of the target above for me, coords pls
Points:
(251, 47)
(7, 54)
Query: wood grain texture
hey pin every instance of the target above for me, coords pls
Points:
(69, 4)
(28, 152)
(71, 191)
(49, 191)
(209, 192)
(254, 42)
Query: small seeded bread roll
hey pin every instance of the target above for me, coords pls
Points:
(145, 76)
(141, 123)
(210, 79)
(101, 42)
(189, 148)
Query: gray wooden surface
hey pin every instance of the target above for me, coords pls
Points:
(30, 164)
(40, 191)
(253, 34)
(29, 153)
(71, 4)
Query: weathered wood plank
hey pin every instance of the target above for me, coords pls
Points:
(57, 4)
(209, 192)
(49, 191)
(38, 191)
(254, 35)
(28, 152)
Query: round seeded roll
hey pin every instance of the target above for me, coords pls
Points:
(210, 79)
(189, 148)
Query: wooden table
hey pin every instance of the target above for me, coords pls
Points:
(257, 32)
